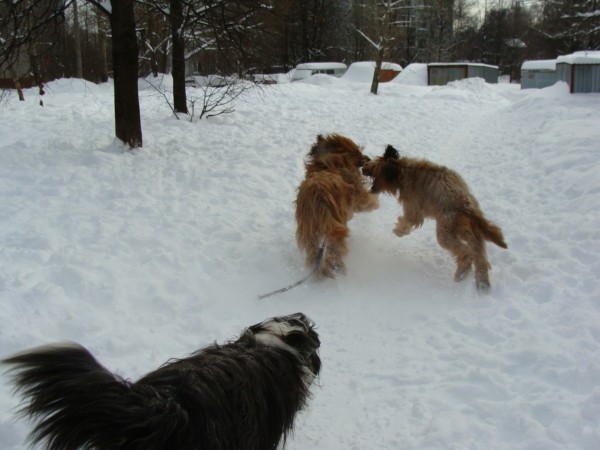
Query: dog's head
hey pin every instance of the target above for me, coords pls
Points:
(384, 170)
(294, 333)
(340, 149)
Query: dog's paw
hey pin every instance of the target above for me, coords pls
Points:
(324, 272)
(400, 231)
(461, 273)
(331, 270)
(339, 267)
(483, 286)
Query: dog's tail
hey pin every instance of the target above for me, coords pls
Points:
(488, 230)
(77, 403)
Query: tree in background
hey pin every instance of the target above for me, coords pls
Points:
(565, 26)
(297, 31)
(38, 39)
(439, 20)
(27, 32)
(503, 35)
(155, 40)
(381, 31)
(128, 127)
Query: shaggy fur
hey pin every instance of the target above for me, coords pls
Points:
(427, 190)
(332, 191)
(241, 395)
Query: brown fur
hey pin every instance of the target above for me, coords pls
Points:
(428, 190)
(332, 190)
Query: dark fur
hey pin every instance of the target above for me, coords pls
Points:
(428, 190)
(331, 192)
(241, 395)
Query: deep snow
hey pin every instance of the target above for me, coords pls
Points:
(147, 255)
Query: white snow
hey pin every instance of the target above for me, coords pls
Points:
(148, 255)
(581, 57)
(322, 65)
(362, 71)
(414, 74)
(540, 64)
(442, 64)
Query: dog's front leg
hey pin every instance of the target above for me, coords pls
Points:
(403, 227)
(367, 202)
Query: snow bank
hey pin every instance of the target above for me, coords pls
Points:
(363, 71)
(413, 74)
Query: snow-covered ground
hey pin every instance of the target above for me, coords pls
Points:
(147, 255)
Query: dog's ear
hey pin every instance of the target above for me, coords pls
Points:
(319, 148)
(391, 153)
(390, 171)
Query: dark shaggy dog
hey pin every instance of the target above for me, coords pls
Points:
(427, 190)
(332, 191)
(241, 395)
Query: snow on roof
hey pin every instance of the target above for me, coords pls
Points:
(461, 64)
(581, 57)
(363, 70)
(321, 65)
(413, 74)
(391, 66)
(540, 64)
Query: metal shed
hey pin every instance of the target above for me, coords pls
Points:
(439, 74)
(538, 74)
(580, 70)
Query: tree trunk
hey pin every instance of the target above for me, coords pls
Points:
(128, 126)
(36, 68)
(178, 71)
(377, 71)
(100, 23)
(77, 41)
(17, 83)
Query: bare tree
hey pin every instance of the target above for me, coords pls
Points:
(224, 26)
(439, 19)
(184, 16)
(382, 36)
(155, 34)
(570, 25)
(23, 24)
(32, 18)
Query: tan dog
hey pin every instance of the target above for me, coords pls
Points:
(332, 190)
(427, 190)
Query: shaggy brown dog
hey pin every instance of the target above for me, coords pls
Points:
(332, 190)
(427, 190)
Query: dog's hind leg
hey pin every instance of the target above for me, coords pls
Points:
(336, 250)
(482, 266)
(448, 234)
(312, 253)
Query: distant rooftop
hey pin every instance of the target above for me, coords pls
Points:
(540, 64)
(582, 57)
